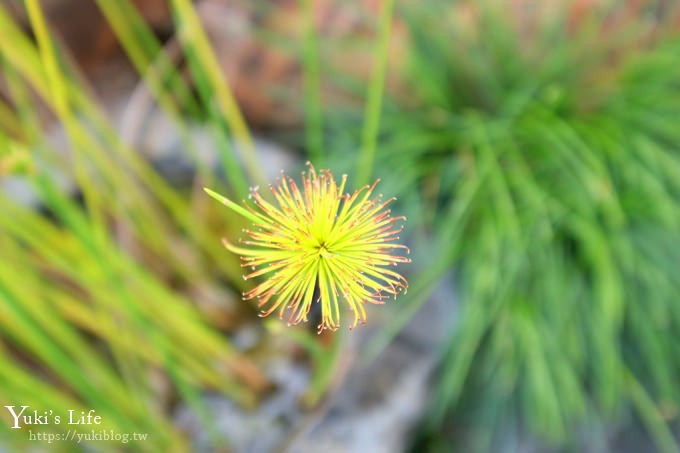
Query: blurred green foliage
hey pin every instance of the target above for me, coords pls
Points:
(553, 147)
(91, 316)
(538, 158)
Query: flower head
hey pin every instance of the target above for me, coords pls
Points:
(319, 241)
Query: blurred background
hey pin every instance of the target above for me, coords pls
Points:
(533, 146)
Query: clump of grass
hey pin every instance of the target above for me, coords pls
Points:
(548, 168)
(89, 317)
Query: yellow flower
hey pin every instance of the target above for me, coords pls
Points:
(320, 239)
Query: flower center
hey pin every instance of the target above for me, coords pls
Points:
(323, 251)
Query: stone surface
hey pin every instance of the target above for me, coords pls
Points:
(373, 406)
(379, 403)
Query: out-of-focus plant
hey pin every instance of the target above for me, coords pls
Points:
(95, 311)
(546, 152)
(14, 156)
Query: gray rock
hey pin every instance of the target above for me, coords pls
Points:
(373, 406)
(377, 406)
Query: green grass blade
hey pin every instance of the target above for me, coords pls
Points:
(312, 86)
(193, 37)
(374, 98)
